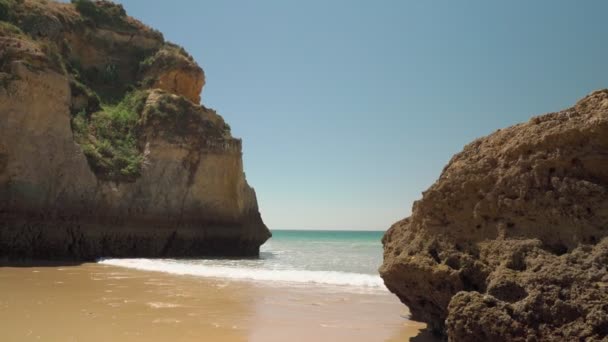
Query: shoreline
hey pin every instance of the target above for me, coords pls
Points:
(95, 302)
(344, 281)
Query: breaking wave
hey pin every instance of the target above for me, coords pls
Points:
(359, 280)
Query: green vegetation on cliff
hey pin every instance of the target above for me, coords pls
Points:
(168, 56)
(103, 80)
(108, 14)
(101, 14)
(8, 29)
(110, 59)
(6, 9)
(109, 137)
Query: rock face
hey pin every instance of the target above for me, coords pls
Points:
(88, 172)
(511, 243)
(173, 70)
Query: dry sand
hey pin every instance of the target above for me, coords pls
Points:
(94, 302)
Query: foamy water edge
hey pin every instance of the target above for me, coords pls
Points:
(335, 278)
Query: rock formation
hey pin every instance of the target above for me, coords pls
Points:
(105, 150)
(175, 71)
(511, 242)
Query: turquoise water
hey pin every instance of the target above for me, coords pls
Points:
(324, 250)
(348, 259)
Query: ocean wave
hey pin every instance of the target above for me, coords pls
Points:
(358, 280)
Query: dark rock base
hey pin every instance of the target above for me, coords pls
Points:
(74, 240)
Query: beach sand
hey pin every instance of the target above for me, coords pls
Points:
(93, 302)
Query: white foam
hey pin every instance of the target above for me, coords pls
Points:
(358, 280)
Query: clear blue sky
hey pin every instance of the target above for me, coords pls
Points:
(348, 110)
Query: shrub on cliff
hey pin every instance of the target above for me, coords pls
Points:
(109, 138)
(55, 60)
(83, 98)
(5, 9)
(102, 12)
(9, 30)
(170, 56)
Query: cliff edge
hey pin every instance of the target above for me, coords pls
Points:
(511, 242)
(105, 150)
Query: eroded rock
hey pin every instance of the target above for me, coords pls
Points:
(174, 70)
(510, 243)
(95, 164)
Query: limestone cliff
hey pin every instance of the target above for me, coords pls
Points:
(511, 243)
(105, 150)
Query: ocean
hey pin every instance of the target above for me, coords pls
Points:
(345, 260)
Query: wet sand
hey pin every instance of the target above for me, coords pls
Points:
(94, 302)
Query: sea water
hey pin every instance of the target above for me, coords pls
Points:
(346, 259)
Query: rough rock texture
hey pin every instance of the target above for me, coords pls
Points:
(176, 72)
(510, 244)
(191, 199)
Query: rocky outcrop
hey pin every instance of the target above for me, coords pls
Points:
(95, 164)
(174, 70)
(511, 242)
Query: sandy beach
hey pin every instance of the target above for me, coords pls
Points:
(93, 302)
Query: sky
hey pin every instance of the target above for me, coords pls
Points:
(348, 110)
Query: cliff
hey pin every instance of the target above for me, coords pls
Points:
(511, 242)
(105, 150)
